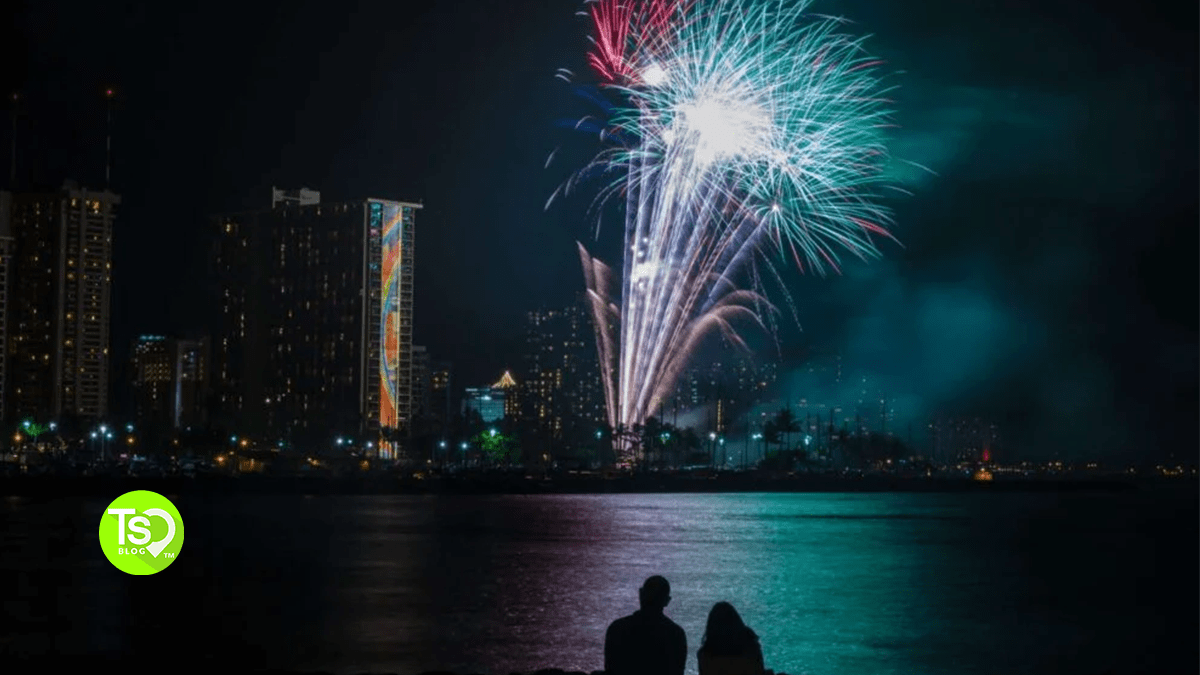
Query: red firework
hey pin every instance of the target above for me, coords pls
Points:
(625, 30)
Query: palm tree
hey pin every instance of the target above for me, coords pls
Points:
(770, 435)
(691, 443)
(651, 437)
(785, 423)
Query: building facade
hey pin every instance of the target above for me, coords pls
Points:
(59, 302)
(7, 246)
(422, 394)
(488, 402)
(316, 339)
(562, 371)
(170, 382)
(719, 395)
(441, 398)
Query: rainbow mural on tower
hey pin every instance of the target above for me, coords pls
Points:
(389, 320)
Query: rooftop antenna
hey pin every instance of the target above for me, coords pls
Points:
(108, 96)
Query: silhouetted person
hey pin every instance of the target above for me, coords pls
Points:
(646, 642)
(729, 646)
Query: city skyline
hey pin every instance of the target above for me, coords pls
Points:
(1029, 285)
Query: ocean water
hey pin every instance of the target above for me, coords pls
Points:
(832, 583)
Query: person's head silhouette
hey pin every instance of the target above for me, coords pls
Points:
(655, 594)
(726, 630)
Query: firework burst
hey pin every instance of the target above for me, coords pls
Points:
(744, 134)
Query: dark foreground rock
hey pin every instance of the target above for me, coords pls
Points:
(185, 666)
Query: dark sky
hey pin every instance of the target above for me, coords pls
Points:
(1049, 271)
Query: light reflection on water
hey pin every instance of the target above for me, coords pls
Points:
(856, 583)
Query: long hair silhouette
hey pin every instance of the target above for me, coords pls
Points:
(726, 633)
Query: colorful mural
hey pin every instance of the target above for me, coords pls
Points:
(391, 220)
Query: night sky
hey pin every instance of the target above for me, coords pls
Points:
(1048, 275)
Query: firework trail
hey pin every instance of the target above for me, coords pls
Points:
(744, 133)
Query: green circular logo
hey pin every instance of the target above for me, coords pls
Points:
(141, 532)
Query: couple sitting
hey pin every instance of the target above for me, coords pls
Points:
(648, 643)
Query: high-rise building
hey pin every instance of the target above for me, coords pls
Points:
(440, 395)
(562, 380)
(512, 396)
(152, 377)
(192, 364)
(170, 382)
(7, 244)
(421, 389)
(316, 302)
(59, 304)
(487, 401)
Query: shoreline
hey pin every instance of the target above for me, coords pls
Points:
(383, 485)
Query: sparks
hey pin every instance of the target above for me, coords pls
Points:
(744, 132)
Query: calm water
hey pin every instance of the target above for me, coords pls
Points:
(846, 584)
